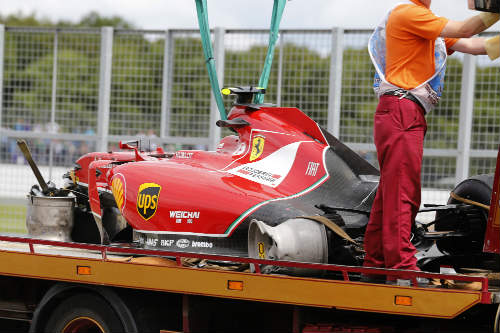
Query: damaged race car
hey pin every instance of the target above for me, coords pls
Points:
(280, 188)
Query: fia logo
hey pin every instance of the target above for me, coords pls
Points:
(257, 147)
(147, 199)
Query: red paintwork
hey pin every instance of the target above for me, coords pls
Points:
(492, 236)
(205, 186)
(95, 203)
(82, 173)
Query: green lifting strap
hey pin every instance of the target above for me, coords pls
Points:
(201, 9)
(279, 6)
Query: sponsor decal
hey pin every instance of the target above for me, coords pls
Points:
(184, 154)
(262, 250)
(167, 242)
(118, 190)
(183, 243)
(261, 175)
(272, 169)
(184, 215)
(207, 245)
(312, 169)
(257, 147)
(151, 241)
(147, 200)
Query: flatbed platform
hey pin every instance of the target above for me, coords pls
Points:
(105, 265)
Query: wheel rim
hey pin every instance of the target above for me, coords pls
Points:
(83, 325)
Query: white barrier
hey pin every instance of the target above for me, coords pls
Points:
(16, 179)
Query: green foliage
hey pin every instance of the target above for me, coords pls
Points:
(94, 20)
(90, 20)
(137, 84)
(21, 20)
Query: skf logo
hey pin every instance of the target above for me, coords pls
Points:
(257, 147)
(147, 199)
(118, 189)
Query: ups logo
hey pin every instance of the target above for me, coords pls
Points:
(147, 199)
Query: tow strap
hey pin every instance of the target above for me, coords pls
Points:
(279, 6)
(468, 201)
(201, 9)
(332, 226)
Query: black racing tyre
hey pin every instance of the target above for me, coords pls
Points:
(87, 313)
(476, 188)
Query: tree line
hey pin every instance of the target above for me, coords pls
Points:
(137, 84)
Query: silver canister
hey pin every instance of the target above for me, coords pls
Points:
(50, 218)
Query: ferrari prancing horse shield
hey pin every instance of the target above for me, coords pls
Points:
(257, 147)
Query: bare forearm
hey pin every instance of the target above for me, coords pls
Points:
(473, 25)
(474, 46)
(470, 27)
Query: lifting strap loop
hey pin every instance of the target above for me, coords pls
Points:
(201, 9)
(278, 8)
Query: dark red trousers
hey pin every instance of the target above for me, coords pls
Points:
(399, 130)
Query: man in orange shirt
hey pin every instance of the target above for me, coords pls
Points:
(409, 50)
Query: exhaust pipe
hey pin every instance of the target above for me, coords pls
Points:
(298, 239)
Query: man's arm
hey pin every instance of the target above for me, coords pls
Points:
(470, 27)
(470, 45)
(489, 46)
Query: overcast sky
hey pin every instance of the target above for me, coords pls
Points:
(166, 14)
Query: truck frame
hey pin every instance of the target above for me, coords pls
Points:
(41, 278)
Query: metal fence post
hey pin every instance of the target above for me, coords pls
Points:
(104, 87)
(335, 87)
(2, 55)
(280, 69)
(53, 102)
(219, 55)
(166, 89)
(466, 115)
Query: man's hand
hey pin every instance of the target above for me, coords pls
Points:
(492, 46)
(489, 19)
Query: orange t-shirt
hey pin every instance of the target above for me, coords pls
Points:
(411, 32)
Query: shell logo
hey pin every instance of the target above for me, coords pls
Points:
(118, 189)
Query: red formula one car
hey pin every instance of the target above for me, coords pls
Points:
(278, 169)
(281, 188)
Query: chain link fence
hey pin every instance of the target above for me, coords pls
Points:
(72, 91)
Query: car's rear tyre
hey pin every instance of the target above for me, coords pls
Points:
(473, 222)
(87, 313)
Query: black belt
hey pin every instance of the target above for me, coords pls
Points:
(401, 93)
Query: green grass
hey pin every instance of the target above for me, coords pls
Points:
(13, 219)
